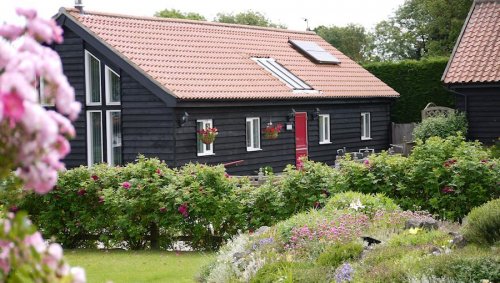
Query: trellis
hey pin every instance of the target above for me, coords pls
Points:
(432, 110)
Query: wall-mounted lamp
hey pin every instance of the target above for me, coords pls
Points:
(291, 115)
(315, 114)
(183, 119)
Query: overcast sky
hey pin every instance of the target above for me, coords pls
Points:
(288, 12)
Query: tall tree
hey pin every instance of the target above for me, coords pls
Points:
(173, 13)
(421, 28)
(352, 40)
(247, 18)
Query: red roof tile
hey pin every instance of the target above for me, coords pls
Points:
(476, 57)
(204, 60)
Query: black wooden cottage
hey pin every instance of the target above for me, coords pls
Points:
(473, 72)
(148, 84)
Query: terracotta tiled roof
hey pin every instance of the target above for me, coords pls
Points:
(204, 60)
(476, 58)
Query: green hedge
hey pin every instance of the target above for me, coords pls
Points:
(418, 83)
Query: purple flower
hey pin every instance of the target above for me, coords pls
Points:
(344, 273)
(126, 185)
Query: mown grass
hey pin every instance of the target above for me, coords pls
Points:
(138, 266)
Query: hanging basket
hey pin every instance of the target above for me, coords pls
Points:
(207, 139)
(207, 136)
(271, 132)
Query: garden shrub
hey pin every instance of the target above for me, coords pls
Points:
(205, 199)
(370, 204)
(336, 254)
(466, 265)
(441, 126)
(138, 204)
(483, 224)
(449, 177)
(417, 237)
(283, 271)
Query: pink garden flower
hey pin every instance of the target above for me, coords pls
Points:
(183, 209)
(126, 185)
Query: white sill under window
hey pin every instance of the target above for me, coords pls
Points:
(325, 142)
(205, 154)
(253, 149)
(365, 138)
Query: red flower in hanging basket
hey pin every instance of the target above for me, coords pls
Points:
(208, 135)
(271, 132)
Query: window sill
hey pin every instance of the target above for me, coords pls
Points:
(254, 149)
(205, 154)
(325, 142)
(365, 139)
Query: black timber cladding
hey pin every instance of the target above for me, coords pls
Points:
(230, 144)
(482, 106)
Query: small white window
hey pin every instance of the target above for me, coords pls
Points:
(282, 74)
(94, 137)
(42, 96)
(324, 128)
(365, 126)
(92, 79)
(114, 137)
(112, 81)
(204, 149)
(253, 134)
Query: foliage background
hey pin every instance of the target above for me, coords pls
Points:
(418, 83)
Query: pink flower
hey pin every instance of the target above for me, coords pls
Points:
(36, 241)
(14, 209)
(94, 177)
(101, 200)
(82, 192)
(126, 185)
(78, 275)
(11, 32)
(158, 171)
(447, 190)
(183, 209)
(29, 14)
(13, 107)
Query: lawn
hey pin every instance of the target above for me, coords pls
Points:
(138, 266)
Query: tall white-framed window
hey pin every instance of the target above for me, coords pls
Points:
(92, 79)
(253, 133)
(114, 137)
(365, 126)
(42, 96)
(324, 128)
(112, 83)
(202, 148)
(94, 137)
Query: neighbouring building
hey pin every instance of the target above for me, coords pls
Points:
(473, 72)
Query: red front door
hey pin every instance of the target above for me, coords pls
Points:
(300, 137)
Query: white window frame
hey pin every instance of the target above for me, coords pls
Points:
(107, 71)
(252, 120)
(283, 74)
(366, 132)
(87, 80)
(109, 136)
(89, 142)
(41, 93)
(325, 129)
(205, 150)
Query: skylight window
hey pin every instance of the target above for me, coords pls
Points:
(282, 74)
(316, 52)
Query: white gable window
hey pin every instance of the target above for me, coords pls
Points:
(253, 133)
(282, 74)
(365, 126)
(324, 128)
(114, 137)
(92, 79)
(112, 80)
(204, 149)
(94, 137)
(42, 96)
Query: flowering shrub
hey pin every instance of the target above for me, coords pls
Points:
(32, 142)
(271, 131)
(208, 135)
(441, 126)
